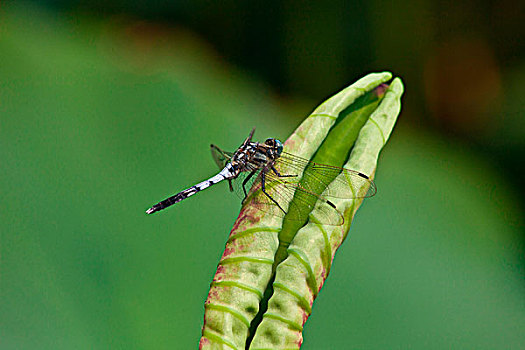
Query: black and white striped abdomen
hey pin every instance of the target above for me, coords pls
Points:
(227, 173)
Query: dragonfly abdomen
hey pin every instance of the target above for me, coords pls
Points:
(224, 174)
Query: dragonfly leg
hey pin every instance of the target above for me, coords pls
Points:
(230, 183)
(280, 175)
(245, 182)
(263, 188)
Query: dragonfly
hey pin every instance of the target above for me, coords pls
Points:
(281, 183)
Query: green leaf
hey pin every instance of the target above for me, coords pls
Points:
(266, 255)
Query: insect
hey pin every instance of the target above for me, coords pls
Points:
(272, 178)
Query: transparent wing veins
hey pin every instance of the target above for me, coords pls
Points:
(352, 184)
(220, 157)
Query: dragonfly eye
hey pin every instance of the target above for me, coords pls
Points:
(278, 146)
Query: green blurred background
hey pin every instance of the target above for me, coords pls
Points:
(107, 107)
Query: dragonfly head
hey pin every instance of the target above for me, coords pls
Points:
(275, 145)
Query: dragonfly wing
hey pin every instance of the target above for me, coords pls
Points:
(351, 184)
(334, 181)
(278, 200)
(243, 184)
(299, 197)
(220, 157)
